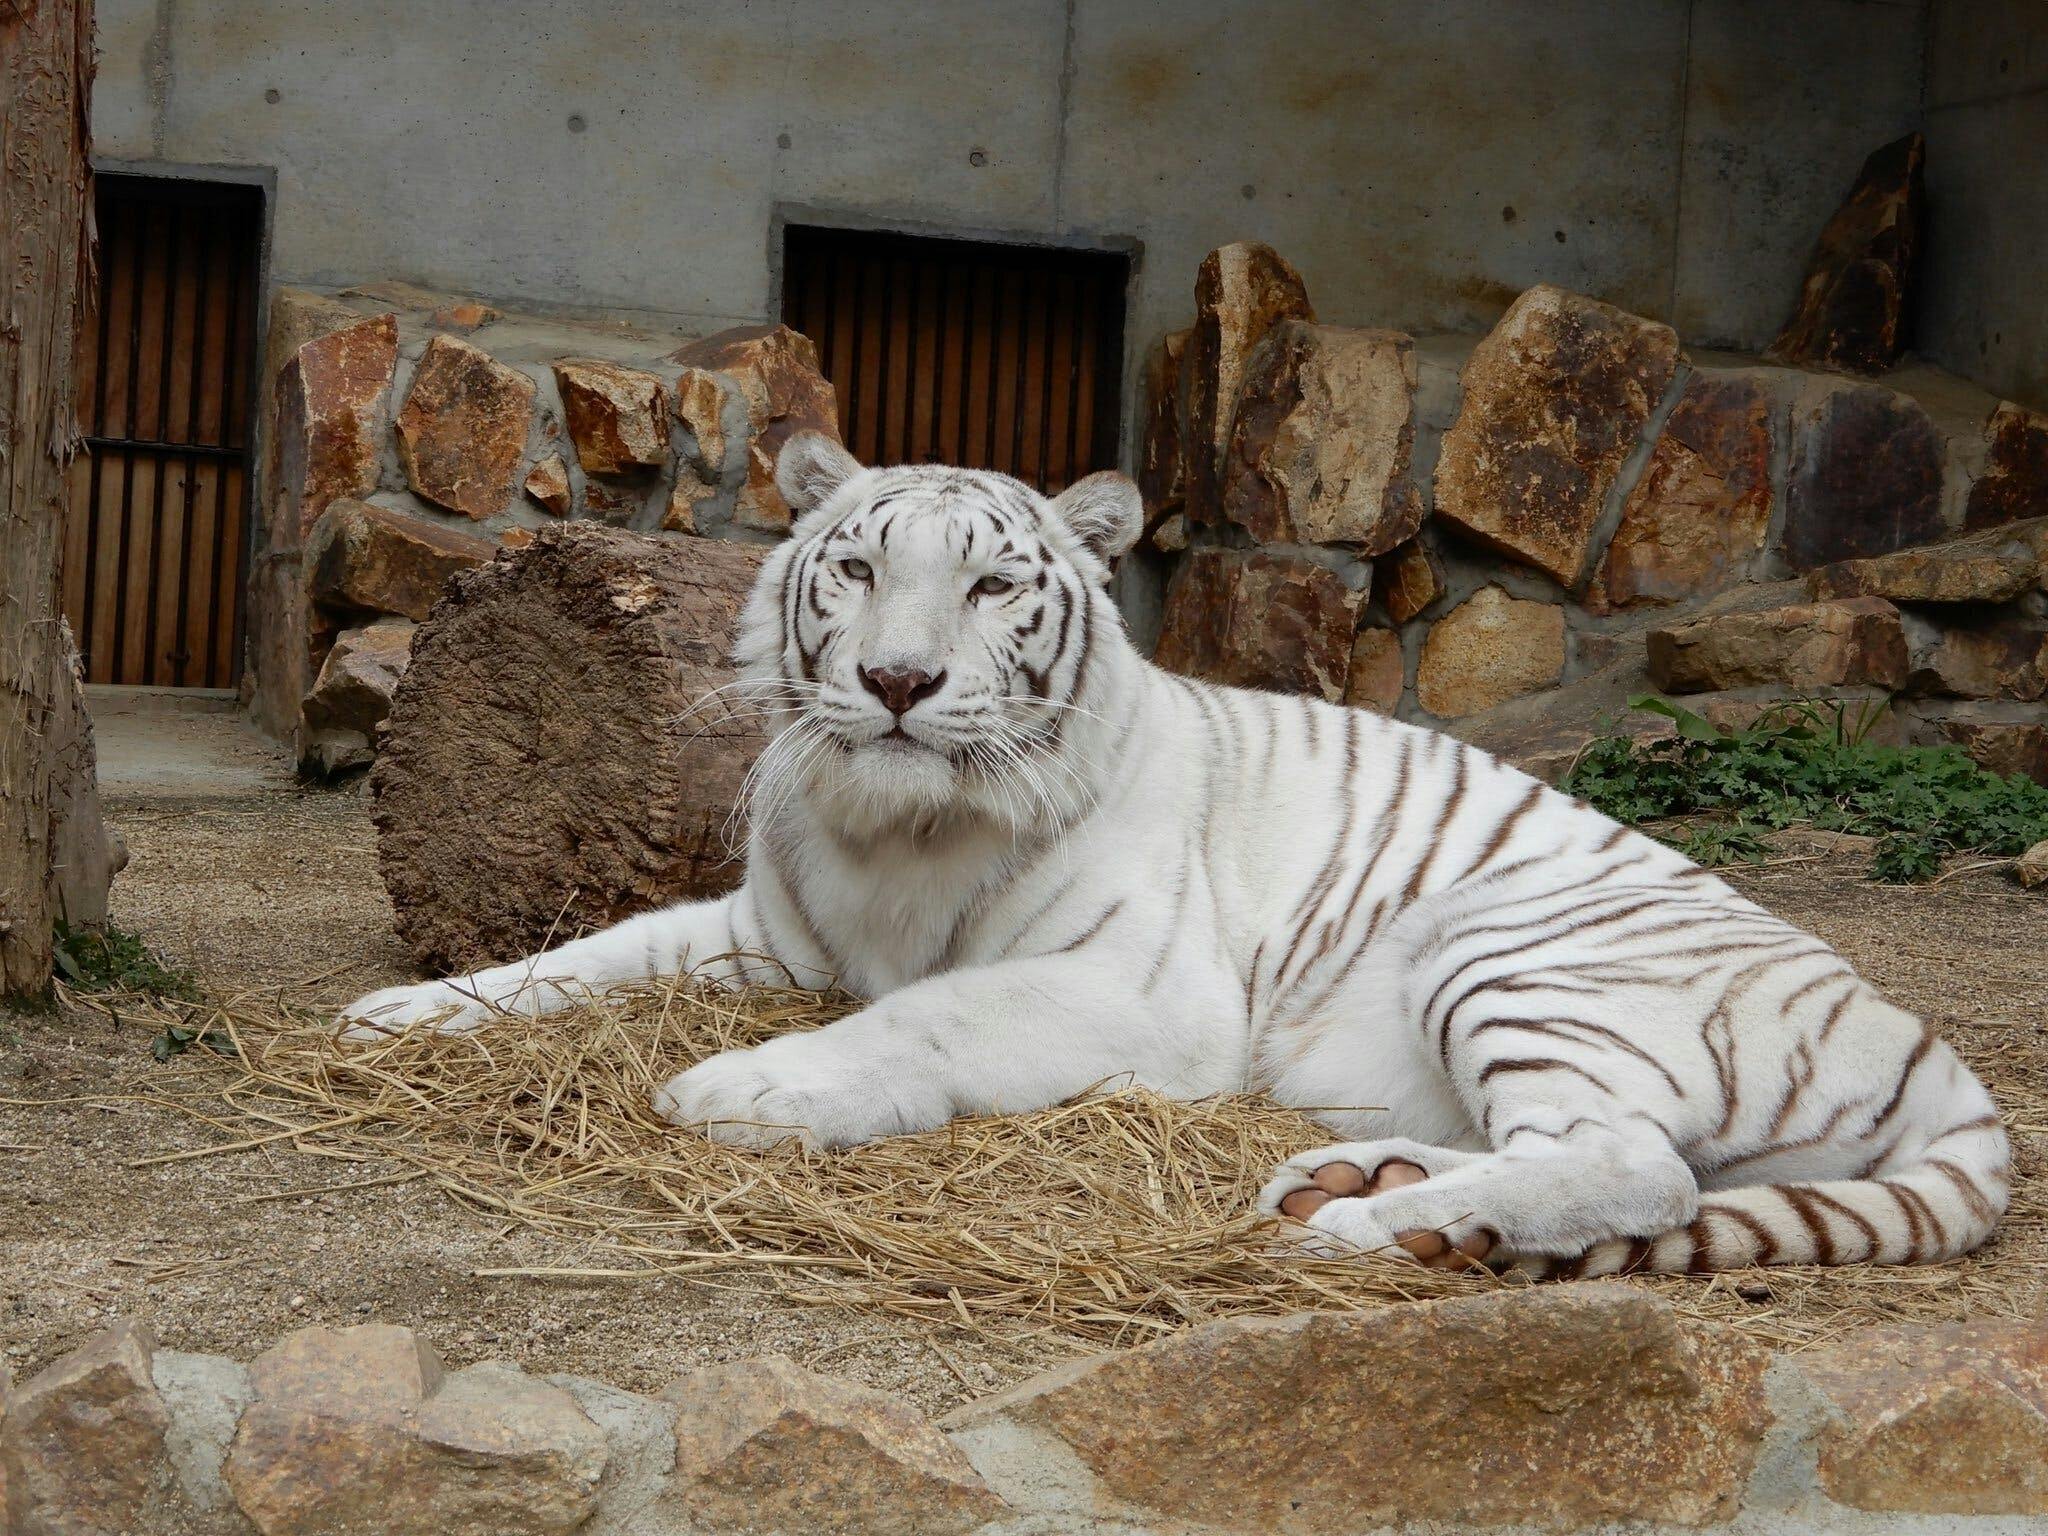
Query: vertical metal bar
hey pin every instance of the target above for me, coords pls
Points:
(174, 230)
(1022, 380)
(945, 338)
(209, 241)
(998, 289)
(98, 425)
(961, 445)
(883, 455)
(244, 252)
(1077, 359)
(128, 461)
(856, 409)
(1050, 288)
(912, 334)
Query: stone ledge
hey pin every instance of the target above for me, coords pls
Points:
(1561, 1407)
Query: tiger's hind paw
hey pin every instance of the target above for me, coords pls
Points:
(1328, 1193)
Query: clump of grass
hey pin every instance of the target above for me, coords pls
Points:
(1810, 763)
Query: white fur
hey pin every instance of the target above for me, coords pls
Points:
(1078, 868)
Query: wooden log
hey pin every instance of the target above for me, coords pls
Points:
(550, 765)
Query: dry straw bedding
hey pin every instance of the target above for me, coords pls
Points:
(1103, 1222)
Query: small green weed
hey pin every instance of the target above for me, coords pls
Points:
(111, 959)
(1809, 764)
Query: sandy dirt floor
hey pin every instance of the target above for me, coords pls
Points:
(252, 880)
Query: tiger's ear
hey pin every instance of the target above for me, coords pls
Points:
(1105, 510)
(810, 467)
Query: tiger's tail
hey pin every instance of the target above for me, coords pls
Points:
(1937, 1201)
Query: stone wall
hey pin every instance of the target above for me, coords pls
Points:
(409, 435)
(1570, 1407)
(1455, 529)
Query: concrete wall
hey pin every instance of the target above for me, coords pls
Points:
(1421, 160)
(1984, 295)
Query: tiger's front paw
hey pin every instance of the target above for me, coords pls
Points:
(781, 1089)
(394, 1010)
(1344, 1198)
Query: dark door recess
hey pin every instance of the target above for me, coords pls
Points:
(994, 356)
(159, 503)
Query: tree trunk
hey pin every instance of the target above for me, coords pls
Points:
(46, 64)
(550, 763)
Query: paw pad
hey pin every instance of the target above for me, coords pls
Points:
(1348, 1181)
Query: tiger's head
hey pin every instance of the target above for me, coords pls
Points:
(933, 640)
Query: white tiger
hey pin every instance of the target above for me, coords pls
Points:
(1048, 864)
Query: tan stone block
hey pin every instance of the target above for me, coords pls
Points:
(1259, 621)
(776, 371)
(82, 1447)
(1162, 470)
(1949, 1419)
(330, 403)
(1554, 1407)
(1702, 507)
(1378, 672)
(617, 416)
(1864, 477)
(2014, 484)
(365, 558)
(1847, 642)
(1487, 650)
(1554, 400)
(548, 483)
(1319, 451)
(1410, 580)
(1241, 292)
(762, 1445)
(462, 430)
(1854, 301)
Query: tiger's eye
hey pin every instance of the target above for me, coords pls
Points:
(993, 585)
(856, 570)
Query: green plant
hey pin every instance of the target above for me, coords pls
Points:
(111, 959)
(1809, 763)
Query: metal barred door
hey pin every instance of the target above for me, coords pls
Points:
(947, 351)
(155, 542)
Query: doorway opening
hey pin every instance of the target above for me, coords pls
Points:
(157, 532)
(993, 356)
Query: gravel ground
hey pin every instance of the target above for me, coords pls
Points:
(253, 881)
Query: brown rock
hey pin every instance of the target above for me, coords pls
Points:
(1554, 399)
(1559, 1407)
(1854, 301)
(763, 1445)
(1993, 565)
(776, 371)
(548, 483)
(1259, 621)
(504, 1452)
(1378, 673)
(1702, 507)
(1171, 536)
(462, 430)
(82, 1442)
(618, 417)
(1320, 447)
(1241, 292)
(1865, 475)
(464, 315)
(515, 538)
(1850, 641)
(1950, 1419)
(363, 558)
(1410, 580)
(356, 1429)
(714, 415)
(2031, 869)
(2000, 737)
(1487, 650)
(1980, 656)
(332, 398)
(352, 697)
(2014, 484)
(1162, 470)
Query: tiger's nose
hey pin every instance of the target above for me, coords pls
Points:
(900, 687)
